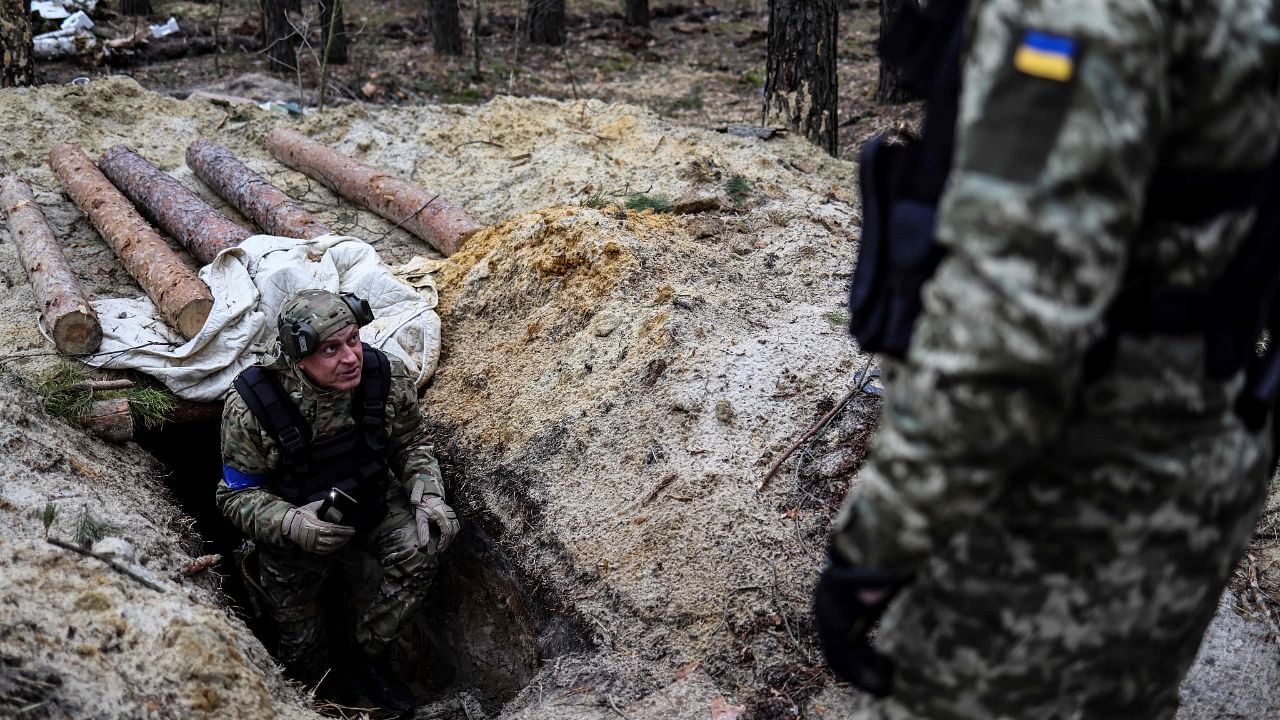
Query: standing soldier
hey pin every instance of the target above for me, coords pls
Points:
(1070, 460)
(324, 450)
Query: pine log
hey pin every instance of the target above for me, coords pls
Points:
(65, 311)
(111, 420)
(183, 300)
(425, 214)
(250, 193)
(201, 229)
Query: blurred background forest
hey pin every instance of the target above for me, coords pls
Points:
(701, 64)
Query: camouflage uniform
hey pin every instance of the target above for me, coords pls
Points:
(1069, 538)
(293, 579)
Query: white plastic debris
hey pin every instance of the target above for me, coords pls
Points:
(165, 29)
(78, 21)
(59, 9)
(62, 43)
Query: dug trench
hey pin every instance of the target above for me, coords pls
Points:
(480, 636)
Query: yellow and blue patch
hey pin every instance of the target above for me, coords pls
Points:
(1047, 56)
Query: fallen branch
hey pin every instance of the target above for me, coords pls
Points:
(445, 226)
(110, 561)
(102, 385)
(65, 312)
(250, 193)
(183, 300)
(863, 378)
(659, 487)
(191, 221)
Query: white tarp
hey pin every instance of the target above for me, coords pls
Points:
(250, 283)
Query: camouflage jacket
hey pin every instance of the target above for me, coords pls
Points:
(249, 452)
(1042, 218)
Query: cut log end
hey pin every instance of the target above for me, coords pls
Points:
(193, 316)
(77, 332)
(111, 420)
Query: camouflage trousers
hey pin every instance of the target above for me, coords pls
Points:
(294, 583)
(1085, 589)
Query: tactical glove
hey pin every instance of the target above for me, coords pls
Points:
(432, 509)
(844, 619)
(312, 534)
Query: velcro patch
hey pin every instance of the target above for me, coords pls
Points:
(1047, 56)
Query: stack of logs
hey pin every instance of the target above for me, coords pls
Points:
(108, 192)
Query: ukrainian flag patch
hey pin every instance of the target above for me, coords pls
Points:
(1047, 56)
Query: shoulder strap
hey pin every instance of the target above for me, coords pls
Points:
(261, 390)
(369, 405)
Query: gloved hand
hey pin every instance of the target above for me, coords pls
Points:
(312, 534)
(846, 605)
(432, 509)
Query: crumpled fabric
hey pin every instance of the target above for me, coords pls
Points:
(249, 283)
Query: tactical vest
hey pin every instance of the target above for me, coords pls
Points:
(352, 459)
(902, 179)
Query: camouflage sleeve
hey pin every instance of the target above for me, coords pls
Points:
(412, 457)
(248, 456)
(1061, 100)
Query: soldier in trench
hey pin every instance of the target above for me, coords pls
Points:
(1073, 450)
(332, 418)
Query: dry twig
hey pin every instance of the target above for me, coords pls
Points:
(112, 562)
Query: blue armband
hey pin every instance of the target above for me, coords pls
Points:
(237, 480)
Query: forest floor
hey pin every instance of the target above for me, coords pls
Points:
(697, 64)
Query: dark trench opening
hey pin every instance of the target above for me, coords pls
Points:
(479, 637)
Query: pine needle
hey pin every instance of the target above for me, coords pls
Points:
(67, 397)
(645, 201)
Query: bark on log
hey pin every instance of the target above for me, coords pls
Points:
(185, 412)
(111, 420)
(250, 193)
(201, 229)
(65, 311)
(425, 214)
(183, 300)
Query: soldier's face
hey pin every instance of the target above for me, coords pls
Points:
(336, 365)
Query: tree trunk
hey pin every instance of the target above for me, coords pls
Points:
(279, 37)
(546, 22)
(446, 27)
(65, 311)
(183, 300)
(889, 88)
(421, 212)
(333, 32)
(800, 82)
(638, 13)
(188, 219)
(134, 8)
(250, 193)
(17, 69)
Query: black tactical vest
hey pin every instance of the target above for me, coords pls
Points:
(353, 459)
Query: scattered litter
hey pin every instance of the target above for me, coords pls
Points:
(169, 27)
(59, 9)
(292, 109)
(71, 39)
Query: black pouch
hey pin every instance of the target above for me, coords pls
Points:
(897, 253)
